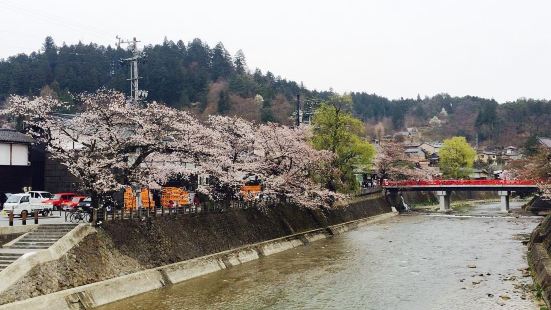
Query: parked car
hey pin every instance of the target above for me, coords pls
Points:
(85, 204)
(21, 204)
(73, 203)
(55, 202)
(38, 197)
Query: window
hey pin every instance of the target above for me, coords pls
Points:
(46, 195)
(14, 154)
(25, 199)
(19, 155)
(13, 198)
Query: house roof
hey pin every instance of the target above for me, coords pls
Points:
(10, 135)
(488, 153)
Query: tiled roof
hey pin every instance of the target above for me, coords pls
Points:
(10, 135)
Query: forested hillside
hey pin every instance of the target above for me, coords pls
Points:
(208, 80)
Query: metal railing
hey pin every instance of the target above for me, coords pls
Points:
(103, 215)
(459, 183)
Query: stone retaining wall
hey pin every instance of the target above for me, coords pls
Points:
(539, 257)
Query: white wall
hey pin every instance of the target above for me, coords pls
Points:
(4, 154)
(19, 155)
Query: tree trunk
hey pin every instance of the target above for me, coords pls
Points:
(94, 196)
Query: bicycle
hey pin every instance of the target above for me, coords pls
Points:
(79, 216)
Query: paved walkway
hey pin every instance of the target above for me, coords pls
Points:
(55, 218)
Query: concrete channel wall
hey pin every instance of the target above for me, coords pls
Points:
(108, 291)
(539, 257)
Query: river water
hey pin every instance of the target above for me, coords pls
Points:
(407, 262)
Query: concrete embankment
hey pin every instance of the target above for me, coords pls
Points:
(126, 258)
(539, 257)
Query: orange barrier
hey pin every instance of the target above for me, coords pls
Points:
(249, 191)
(130, 198)
(176, 195)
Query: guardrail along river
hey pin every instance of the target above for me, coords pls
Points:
(407, 262)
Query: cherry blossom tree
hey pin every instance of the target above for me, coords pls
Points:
(291, 167)
(392, 162)
(110, 143)
(281, 157)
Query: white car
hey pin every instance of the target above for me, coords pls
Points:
(21, 204)
(38, 198)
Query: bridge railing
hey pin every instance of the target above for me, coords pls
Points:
(457, 183)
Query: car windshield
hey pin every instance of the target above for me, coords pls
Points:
(46, 195)
(88, 199)
(57, 197)
(76, 199)
(14, 198)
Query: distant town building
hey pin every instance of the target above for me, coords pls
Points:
(511, 153)
(545, 142)
(479, 174)
(434, 160)
(487, 157)
(430, 147)
(414, 152)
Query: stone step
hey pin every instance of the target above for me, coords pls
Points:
(51, 230)
(55, 228)
(29, 247)
(46, 234)
(35, 242)
(38, 239)
(10, 254)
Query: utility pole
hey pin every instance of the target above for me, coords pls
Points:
(135, 93)
(298, 111)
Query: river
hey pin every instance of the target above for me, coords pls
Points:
(407, 262)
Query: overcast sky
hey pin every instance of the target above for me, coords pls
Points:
(396, 48)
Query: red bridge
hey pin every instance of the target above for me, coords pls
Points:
(443, 188)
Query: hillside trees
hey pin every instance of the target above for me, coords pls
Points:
(456, 158)
(181, 74)
(337, 131)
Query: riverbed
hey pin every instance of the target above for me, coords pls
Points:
(473, 261)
